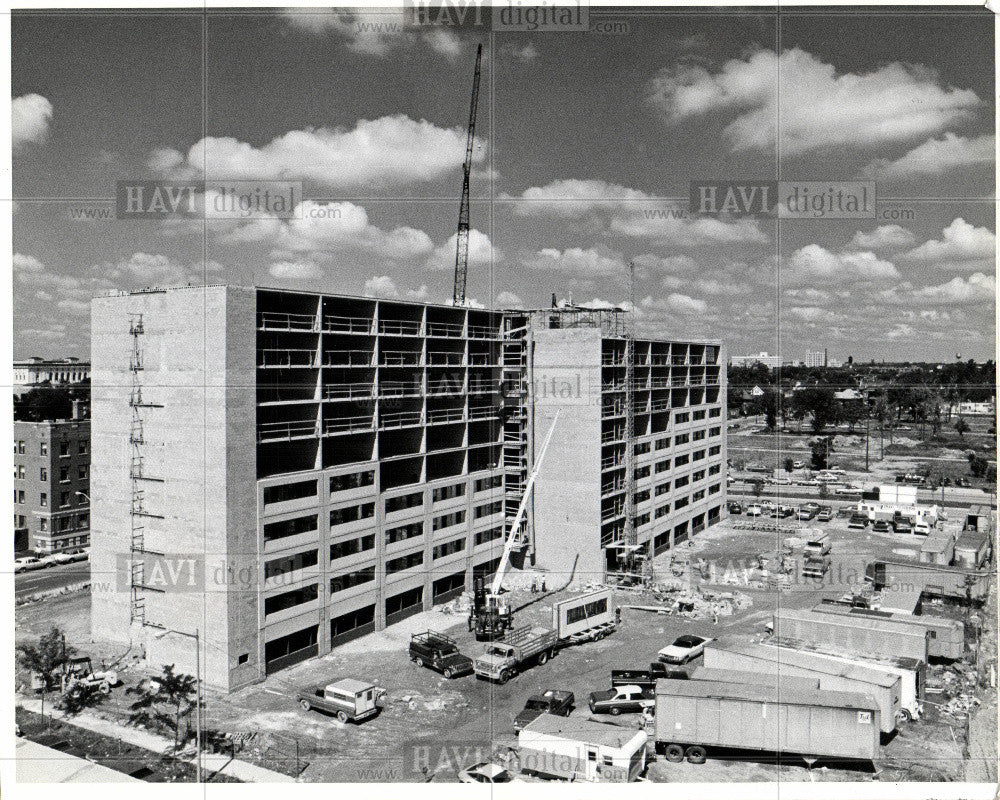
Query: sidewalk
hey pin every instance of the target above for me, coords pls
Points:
(211, 762)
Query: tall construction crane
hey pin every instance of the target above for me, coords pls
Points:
(491, 615)
(462, 242)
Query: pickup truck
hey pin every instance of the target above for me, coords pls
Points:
(439, 652)
(647, 678)
(505, 659)
(552, 701)
(620, 699)
(349, 700)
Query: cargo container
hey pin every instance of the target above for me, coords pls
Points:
(863, 636)
(776, 661)
(911, 672)
(693, 716)
(574, 749)
(784, 682)
(947, 636)
(951, 582)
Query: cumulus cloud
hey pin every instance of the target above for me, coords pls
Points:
(295, 270)
(381, 286)
(936, 157)
(31, 115)
(374, 154)
(581, 262)
(815, 264)
(977, 288)
(818, 107)
(154, 269)
(322, 230)
(629, 212)
(374, 33)
(481, 252)
(961, 245)
(884, 237)
(509, 300)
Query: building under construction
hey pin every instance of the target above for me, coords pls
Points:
(282, 471)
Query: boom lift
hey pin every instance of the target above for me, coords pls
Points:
(491, 614)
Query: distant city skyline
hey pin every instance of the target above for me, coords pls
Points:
(572, 181)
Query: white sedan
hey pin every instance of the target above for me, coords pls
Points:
(684, 649)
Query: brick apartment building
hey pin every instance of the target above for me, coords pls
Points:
(51, 485)
(284, 471)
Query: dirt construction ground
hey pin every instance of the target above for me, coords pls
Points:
(432, 727)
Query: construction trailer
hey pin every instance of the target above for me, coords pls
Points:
(589, 616)
(911, 672)
(693, 716)
(947, 636)
(863, 636)
(979, 518)
(778, 662)
(950, 582)
(575, 749)
(793, 683)
(938, 548)
(972, 548)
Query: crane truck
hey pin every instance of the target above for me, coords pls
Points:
(491, 615)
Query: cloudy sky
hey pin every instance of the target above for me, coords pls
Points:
(586, 146)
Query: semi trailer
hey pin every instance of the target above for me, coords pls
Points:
(863, 636)
(779, 665)
(947, 635)
(694, 717)
(953, 583)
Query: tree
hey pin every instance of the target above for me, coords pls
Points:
(164, 702)
(852, 413)
(81, 696)
(821, 447)
(43, 403)
(962, 427)
(758, 486)
(819, 402)
(47, 656)
(789, 465)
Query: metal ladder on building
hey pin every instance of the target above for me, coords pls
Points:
(514, 451)
(137, 440)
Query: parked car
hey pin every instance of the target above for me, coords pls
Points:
(735, 508)
(754, 510)
(551, 701)
(487, 772)
(825, 514)
(782, 481)
(808, 482)
(621, 699)
(348, 699)
(28, 563)
(880, 526)
(439, 652)
(684, 649)
(797, 464)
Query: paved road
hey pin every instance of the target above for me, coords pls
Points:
(953, 498)
(43, 580)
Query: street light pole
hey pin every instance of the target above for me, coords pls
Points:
(197, 677)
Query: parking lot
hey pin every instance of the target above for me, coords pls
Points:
(432, 727)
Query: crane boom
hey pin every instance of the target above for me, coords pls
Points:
(462, 240)
(509, 546)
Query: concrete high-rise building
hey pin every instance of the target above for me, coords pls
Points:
(283, 471)
(51, 484)
(816, 358)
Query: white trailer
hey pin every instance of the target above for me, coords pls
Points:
(575, 749)
(911, 673)
(585, 618)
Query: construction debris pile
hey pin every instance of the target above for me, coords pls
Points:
(673, 597)
(951, 689)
